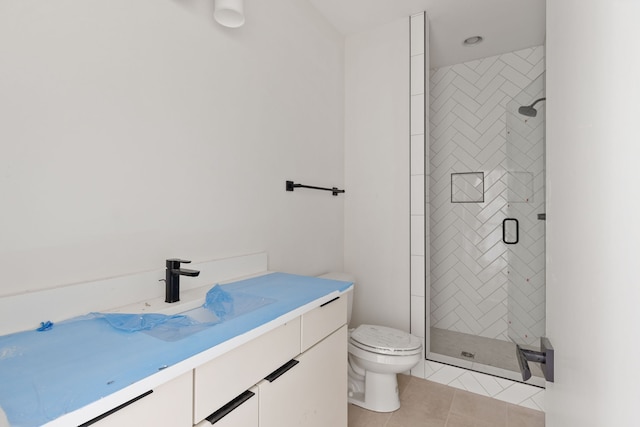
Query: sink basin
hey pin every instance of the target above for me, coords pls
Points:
(202, 315)
(176, 321)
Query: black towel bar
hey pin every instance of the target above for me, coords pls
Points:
(291, 186)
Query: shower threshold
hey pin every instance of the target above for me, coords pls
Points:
(486, 355)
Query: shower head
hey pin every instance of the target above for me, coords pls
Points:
(528, 110)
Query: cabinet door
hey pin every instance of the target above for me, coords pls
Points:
(312, 393)
(166, 406)
(223, 378)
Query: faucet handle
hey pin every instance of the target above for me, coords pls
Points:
(175, 262)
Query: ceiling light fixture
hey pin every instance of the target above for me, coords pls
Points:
(471, 41)
(229, 13)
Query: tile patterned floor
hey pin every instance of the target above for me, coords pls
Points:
(428, 404)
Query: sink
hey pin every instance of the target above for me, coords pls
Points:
(202, 315)
(175, 321)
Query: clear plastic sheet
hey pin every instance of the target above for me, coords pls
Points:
(142, 322)
(228, 305)
(219, 306)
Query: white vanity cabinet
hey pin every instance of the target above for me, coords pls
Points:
(313, 392)
(304, 366)
(168, 405)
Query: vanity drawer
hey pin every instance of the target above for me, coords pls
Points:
(169, 405)
(322, 321)
(220, 380)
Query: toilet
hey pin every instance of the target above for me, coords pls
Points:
(377, 354)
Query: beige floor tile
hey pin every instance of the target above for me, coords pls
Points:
(480, 408)
(435, 399)
(360, 417)
(517, 416)
(403, 382)
(456, 420)
(415, 421)
(423, 404)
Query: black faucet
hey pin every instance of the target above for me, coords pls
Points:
(173, 274)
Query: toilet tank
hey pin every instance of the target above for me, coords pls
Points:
(344, 277)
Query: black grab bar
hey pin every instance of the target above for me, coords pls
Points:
(334, 190)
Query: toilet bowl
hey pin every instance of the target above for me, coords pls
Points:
(377, 354)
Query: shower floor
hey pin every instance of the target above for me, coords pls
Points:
(488, 355)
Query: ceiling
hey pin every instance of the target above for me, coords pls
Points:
(505, 25)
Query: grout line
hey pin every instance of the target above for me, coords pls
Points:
(446, 421)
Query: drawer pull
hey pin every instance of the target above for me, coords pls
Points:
(281, 370)
(329, 302)
(116, 409)
(230, 407)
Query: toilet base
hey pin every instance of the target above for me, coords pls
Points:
(377, 392)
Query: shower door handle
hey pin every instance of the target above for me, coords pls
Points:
(504, 231)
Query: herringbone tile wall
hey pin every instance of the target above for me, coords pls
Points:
(469, 274)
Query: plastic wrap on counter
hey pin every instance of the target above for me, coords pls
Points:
(219, 306)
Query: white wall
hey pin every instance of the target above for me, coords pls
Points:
(137, 131)
(593, 238)
(377, 173)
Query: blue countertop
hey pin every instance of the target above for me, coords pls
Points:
(44, 375)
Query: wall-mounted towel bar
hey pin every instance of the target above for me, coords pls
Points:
(291, 186)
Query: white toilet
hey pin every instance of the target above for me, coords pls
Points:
(376, 355)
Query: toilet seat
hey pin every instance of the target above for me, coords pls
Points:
(384, 340)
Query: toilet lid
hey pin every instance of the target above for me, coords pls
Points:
(380, 339)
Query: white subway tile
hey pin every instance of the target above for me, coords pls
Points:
(418, 275)
(417, 74)
(417, 154)
(417, 316)
(418, 370)
(417, 114)
(517, 393)
(417, 195)
(417, 34)
(417, 235)
(470, 383)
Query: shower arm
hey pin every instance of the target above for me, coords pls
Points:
(536, 101)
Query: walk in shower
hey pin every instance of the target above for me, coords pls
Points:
(487, 215)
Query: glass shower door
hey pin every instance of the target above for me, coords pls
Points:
(524, 225)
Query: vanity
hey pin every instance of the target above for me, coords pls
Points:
(281, 364)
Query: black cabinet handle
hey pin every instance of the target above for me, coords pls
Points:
(230, 407)
(281, 370)
(504, 231)
(329, 302)
(116, 409)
